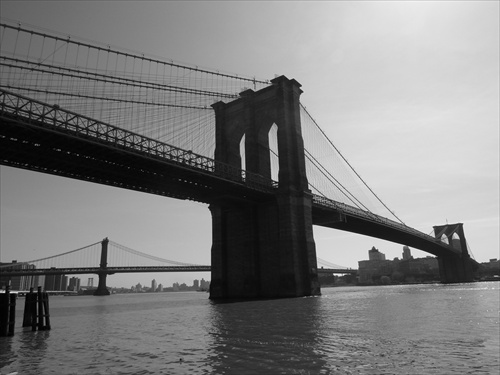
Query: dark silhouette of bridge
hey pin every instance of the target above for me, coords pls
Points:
(264, 187)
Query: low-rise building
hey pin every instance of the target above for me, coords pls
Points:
(378, 270)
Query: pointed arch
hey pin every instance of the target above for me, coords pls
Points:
(273, 151)
(444, 239)
(243, 153)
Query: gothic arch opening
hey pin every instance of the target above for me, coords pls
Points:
(273, 152)
(243, 153)
(444, 239)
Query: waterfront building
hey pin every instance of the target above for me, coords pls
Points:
(378, 270)
(56, 282)
(489, 269)
(204, 285)
(18, 282)
(153, 285)
(50, 282)
(374, 254)
(74, 284)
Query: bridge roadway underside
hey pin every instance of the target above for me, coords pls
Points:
(331, 218)
(38, 147)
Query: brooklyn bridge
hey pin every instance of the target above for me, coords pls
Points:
(247, 147)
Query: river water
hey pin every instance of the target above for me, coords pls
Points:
(413, 329)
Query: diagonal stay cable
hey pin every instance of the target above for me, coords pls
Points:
(350, 166)
(330, 177)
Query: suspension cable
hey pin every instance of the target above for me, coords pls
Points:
(350, 166)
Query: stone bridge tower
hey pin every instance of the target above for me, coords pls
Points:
(453, 268)
(264, 249)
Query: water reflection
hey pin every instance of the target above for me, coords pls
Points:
(279, 336)
(32, 351)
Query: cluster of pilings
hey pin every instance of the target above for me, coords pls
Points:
(36, 310)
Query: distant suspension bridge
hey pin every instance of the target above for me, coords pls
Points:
(117, 259)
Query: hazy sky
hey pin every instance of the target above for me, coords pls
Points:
(408, 91)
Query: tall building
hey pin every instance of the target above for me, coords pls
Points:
(406, 253)
(50, 282)
(74, 284)
(153, 285)
(63, 283)
(374, 254)
(204, 285)
(18, 282)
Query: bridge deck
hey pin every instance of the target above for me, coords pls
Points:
(45, 138)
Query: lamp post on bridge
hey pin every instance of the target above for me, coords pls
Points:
(101, 288)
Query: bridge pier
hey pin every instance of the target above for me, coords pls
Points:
(101, 287)
(264, 249)
(454, 268)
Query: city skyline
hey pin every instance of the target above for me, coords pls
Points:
(404, 90)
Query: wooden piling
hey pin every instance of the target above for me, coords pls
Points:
(30, 310)
(7, 312)
(46, 315)
(12, 314)
(40, 309)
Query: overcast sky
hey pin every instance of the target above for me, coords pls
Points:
(408, 91)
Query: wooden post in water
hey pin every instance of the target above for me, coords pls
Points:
(12, 314)
(7, 312)
(30, 299)
(40, 308)
(43, 310)
(4, 312)
(46, 310)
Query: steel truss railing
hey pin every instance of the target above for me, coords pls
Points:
(354, 211)
(52, 116)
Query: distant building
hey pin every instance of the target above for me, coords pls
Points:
(74, 284)
(378, 270)
(160, 288)
(55, 282)
(153, 285)
(18, 282)
(374, 254)
(204, 285)
(406, 253)
(489, 269)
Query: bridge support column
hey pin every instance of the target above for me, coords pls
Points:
(454, 268)
(264, 249)
(101, 287)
